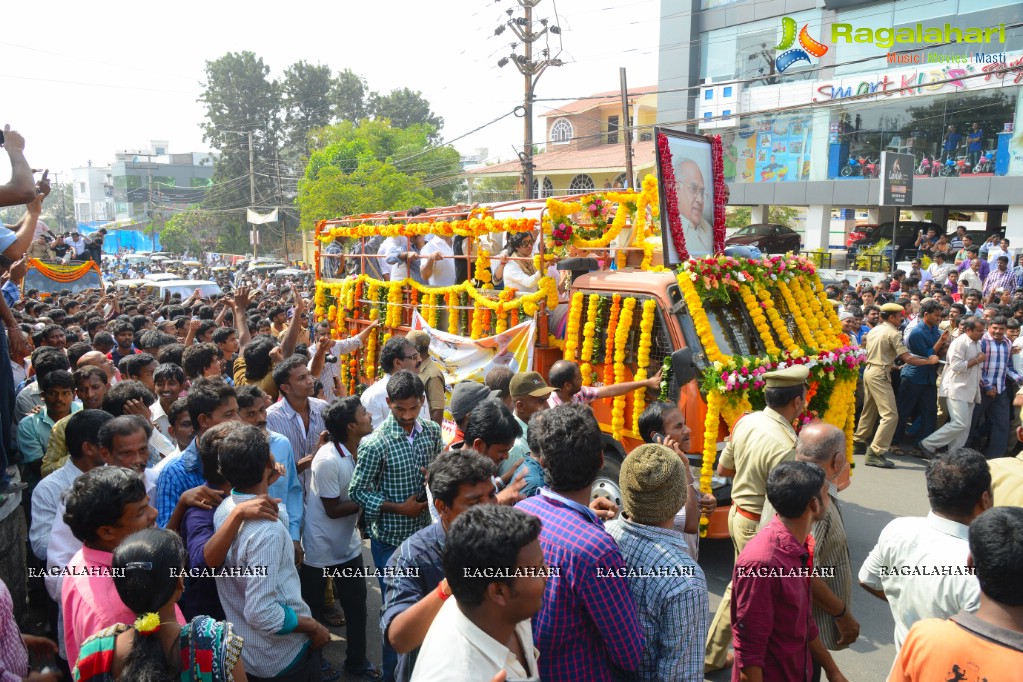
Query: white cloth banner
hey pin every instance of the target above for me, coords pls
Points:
(465, 359)
(257, 219)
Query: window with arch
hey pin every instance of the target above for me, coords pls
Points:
(548, 188)
(534, 190)
(581, 183)
(561, 131)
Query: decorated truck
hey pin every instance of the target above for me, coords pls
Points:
(52, 278)
(606, 299)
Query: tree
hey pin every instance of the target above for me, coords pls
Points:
(59, 215)
(239, 97)
(306, 91)
(371, 167)
(349, 96)
(197, 230)
(405, 108)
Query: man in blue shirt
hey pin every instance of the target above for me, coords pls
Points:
(951, 144)
(918, 398)
(975, 138)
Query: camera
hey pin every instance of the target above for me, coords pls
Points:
(330, 357)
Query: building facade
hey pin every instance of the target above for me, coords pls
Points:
(583, 148)
(806, 94)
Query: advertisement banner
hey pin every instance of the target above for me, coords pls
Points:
(465, 359)
(769, 150)
(896, 179)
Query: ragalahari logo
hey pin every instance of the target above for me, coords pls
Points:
(808, 44)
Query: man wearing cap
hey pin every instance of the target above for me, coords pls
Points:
(465, 396)
(880, 415)
(529, 393)
(431, 374)
(567, 381)
(669, 588)
(760, 441)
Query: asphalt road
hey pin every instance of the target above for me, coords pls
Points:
(873, 499)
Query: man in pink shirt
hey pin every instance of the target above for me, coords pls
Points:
(105, 505)
(567, 381)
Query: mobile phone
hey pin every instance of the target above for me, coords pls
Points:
(421, 497)
(1, 138)
(657, 437)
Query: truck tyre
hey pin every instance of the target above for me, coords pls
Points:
(606, 484)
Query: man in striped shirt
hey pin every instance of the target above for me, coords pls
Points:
(1000, 280)
(824, 445)
(995, 399)
(282, 638)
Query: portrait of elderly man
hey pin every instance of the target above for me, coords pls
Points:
(693, 196)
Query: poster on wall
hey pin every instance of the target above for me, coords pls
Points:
(685, 164)
(896, 179)
(769, 150)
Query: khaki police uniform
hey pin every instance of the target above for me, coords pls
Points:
(883, 344)
(759, 442)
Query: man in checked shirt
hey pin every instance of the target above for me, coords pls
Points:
(389, 479)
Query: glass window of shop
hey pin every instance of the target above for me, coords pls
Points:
(919, 125)
(772, 148)
(746, 52)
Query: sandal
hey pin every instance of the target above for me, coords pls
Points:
(368, 672)
(334, 618)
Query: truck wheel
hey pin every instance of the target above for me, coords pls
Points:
(606, 485)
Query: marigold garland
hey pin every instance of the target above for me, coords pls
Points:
(471, 227)
(64, 274)
(575, 313)
(621, 346)
(646, 328)
(759, 319)
(711, 426)
(700, 321)
(609, 349)
(371, 348)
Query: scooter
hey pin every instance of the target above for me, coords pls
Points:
(986, 163)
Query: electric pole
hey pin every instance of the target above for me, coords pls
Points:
(252, 193)
(626, 130)
(531, 71)
(280, 206)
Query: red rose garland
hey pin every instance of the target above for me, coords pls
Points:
(671, 201)
(720, 190)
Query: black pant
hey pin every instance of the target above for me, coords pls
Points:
(350, 593)
(307, 671)
(996, 409)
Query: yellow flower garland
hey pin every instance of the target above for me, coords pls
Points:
(482, 272)
(621, 341)
(710, 443)
(778, 324)
(796, 313)
(575, 313)
(759, 319)
(454, 313)
(589, 334)
(471, 227)
(370, 368)
(700, 320)
(646, 328)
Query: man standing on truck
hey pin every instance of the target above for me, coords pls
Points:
(880, 414)
(567, 381)
(760, 441)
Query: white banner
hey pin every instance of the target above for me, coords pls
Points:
(257, 219)
(465, 359)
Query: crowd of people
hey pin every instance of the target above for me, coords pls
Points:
(190, 490)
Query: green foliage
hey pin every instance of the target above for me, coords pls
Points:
(863, 257)
(372, 167)
(197, 230)
(741, 216)
(349, 96)
(405, 108)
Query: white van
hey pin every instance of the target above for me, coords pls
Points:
(185, 287)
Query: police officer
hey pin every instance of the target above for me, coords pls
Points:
(759, 442)
(883, 344)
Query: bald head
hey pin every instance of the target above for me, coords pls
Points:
(97, 359)
(691, 190)
(565, 376)
(824, 445)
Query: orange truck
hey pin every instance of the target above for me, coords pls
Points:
(721, 321)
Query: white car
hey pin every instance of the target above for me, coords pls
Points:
(185, 287)
(161, 276)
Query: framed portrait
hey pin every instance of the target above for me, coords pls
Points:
(692, 172)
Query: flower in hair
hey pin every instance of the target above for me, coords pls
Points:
(147, 624)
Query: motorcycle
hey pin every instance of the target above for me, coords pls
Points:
(925, 166)
(986, 163)
(962, 165)
(854, 167)
(871, 169)
(948, 168)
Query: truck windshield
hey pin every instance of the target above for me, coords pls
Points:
(733, 331)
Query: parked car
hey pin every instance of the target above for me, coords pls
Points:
(859, 232)
(905, 237)
(768, 237)
(185, 287)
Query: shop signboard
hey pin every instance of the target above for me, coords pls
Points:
(896, 179)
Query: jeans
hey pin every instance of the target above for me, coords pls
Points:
(381, 555)
(974, 158)
(350, 593)
(913, 397)
(996, 408)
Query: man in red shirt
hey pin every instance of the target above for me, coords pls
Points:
(776, 639)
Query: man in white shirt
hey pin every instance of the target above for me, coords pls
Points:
(919, 565)
(1001, 250)
(939, 269)
(397, 354)
(960, 386)
(77, 243)
(469, 638)
(436, 262)
(331, 539)
(970, 277)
